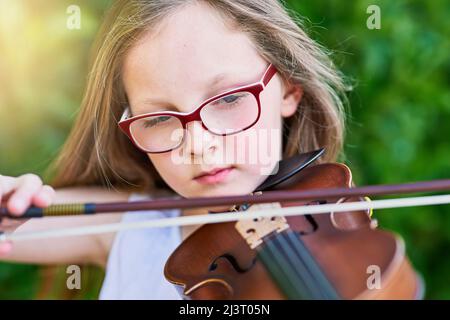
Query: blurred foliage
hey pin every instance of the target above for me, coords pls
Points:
(398, 122)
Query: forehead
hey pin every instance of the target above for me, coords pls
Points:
(188, 47)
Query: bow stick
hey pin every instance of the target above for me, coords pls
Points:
(267, 197)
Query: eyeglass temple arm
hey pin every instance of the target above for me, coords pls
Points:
(271, 70)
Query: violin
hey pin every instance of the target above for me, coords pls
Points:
(305, 233)
(327, 256)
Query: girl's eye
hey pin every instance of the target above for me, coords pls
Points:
(229, 100)
(148, 123)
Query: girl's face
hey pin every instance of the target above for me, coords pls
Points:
(193, 56)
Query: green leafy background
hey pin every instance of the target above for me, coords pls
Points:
(398, 120)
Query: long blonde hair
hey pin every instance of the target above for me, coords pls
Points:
(97, 153)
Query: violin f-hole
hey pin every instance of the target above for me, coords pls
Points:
(313, 224)
(311, 221)
(232, 260)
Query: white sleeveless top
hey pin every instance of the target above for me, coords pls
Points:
(137, 258)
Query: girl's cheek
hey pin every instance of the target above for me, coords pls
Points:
(260, 151)
(270, 134)
(259, 148)
(163, 164)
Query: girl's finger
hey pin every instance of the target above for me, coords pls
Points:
(7, 184)
(44, 197)
(20, 200)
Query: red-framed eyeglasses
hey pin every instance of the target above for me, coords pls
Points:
(227, 113)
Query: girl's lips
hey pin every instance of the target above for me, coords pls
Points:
(215, 176)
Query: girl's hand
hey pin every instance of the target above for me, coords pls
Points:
(17, 194)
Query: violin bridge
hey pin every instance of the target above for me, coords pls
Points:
(254, 230)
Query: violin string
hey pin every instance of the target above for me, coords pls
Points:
(283, 273)
(298, 266)
(320, 285)
(275, 271)
(307, 286)
(304, 256)
(227, 217)
(306, 271)
(313, 267)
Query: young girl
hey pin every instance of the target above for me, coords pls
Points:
(156, 62)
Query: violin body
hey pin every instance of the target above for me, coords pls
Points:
(339, 253)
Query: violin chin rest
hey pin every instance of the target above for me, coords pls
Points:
(287, 168)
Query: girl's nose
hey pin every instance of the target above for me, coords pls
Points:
(198, 140)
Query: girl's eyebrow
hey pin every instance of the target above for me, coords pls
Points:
(218, 79)
(223, 82)
(219, 83)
